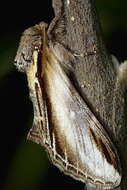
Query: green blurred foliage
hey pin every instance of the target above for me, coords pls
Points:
(28, 164)
(112, 15)
(7, 53)
(28, 168)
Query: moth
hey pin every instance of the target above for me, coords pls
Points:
(64, 124)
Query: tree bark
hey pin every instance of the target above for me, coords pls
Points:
(94, 74)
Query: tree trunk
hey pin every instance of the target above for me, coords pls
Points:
(77, 27)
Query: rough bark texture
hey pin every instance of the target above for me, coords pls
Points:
(77, 27)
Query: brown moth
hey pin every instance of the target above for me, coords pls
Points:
(63, 123)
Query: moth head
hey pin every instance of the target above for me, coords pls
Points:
(31, 40)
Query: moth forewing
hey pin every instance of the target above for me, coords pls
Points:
(26, 60)
(85, 151)
(63, 123)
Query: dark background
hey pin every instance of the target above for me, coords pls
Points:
(23, 164)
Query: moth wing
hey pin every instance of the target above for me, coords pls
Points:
(79, 144)
(73, 137)
(39, 132)
(88, 152)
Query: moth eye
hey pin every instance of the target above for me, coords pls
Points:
(36, 48)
